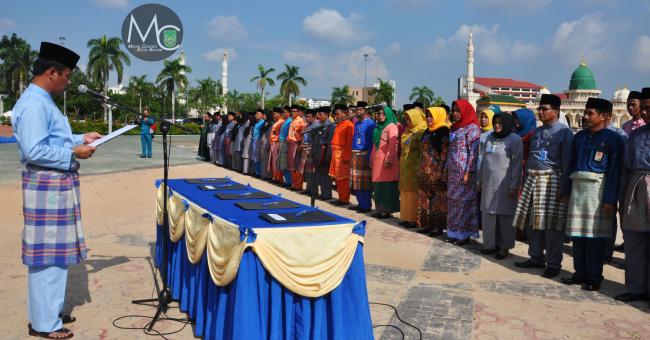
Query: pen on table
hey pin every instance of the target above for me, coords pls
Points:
(301, 213)
(246, 194)
(225, 185)
(266, 204)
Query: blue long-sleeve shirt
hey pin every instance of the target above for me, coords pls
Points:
(257, 129)
(145, 125)
(637, 153)
(43, 133)
(362, 138)
(550, 148)
(284, 130)
(600, 152)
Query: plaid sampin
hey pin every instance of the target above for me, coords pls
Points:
(53, 234)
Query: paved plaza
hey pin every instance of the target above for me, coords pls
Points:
(448, 292)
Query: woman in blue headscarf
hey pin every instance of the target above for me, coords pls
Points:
(525, 124)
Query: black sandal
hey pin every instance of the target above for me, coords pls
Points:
(67, 318)
(46, 335)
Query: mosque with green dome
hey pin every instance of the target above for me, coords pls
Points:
(583, 86)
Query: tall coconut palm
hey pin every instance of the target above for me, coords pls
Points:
(263, 79)
(138, 86)
(290, 80)
(171, 77)
(341, 95)
(18, 59)
(383, 94)
(105, 56)
(422, 94)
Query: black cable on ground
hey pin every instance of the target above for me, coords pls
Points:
(398, 318)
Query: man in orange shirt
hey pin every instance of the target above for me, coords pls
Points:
(341, 155)
(275, 146)
(294, 139)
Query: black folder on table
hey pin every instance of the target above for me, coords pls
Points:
(243, 196)
(284, 204)
(222, 186)
(297, 217)
(206, 180)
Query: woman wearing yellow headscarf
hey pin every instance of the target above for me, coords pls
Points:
(411, 146)
(485, 121)
(432, 185)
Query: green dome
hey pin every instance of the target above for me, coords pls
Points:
(582, 79)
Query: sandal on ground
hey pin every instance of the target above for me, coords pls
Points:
(67, 318)
(48, 335)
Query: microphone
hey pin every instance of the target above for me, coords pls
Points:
(84, 89)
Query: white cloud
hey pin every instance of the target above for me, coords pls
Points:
(120, 4)
(6, 23)
(217, 54)
(347, 67)
(395, 48)
(489, 45)
(411, 3)
(642, 58)
(227, 28)
(510, 5)
(329, 25)
(587, 36)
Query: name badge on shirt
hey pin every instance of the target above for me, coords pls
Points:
(543, 155)
(358, 140)
(598, 156)
(491, 148)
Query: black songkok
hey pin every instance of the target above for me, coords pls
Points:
(60, 54)
(550, 99)
(602, 105)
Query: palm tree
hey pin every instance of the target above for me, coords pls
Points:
(205, 93)
(384, 94)
(105, 56)
(263, 79)
(341, 95)
(233, 100)
(290, 80)
(422, 94)
(138, 86)
(18, 59)
(171, 77)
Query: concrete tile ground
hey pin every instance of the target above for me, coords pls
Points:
(446, 291)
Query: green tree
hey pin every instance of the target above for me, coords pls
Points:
(105, 56)
(233, 100)
(18, 59)
(384, 94)
(341, 95)
(173, 77)
(205, 94)
(290, 80)
(138, 87)
(263, 79)
(277, 101)
(423, 94)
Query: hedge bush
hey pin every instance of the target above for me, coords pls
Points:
(101, 127)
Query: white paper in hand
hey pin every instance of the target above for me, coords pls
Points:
(112, 135)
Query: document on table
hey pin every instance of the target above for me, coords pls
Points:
(112, 135)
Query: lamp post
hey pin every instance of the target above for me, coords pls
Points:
(62, 41)
(2, 105)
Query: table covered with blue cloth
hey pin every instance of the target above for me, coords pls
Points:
(238, 276)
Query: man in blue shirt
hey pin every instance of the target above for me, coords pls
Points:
(145, 133)
(592, 183)
(360, 171)
(53, 234)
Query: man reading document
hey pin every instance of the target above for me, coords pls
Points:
(53, 235)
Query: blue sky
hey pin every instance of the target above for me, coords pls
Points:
(414, 42)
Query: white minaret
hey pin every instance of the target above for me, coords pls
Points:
(469, 86)
(224, 79)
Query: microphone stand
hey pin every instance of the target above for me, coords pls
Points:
(164, 296)
(315, 143)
